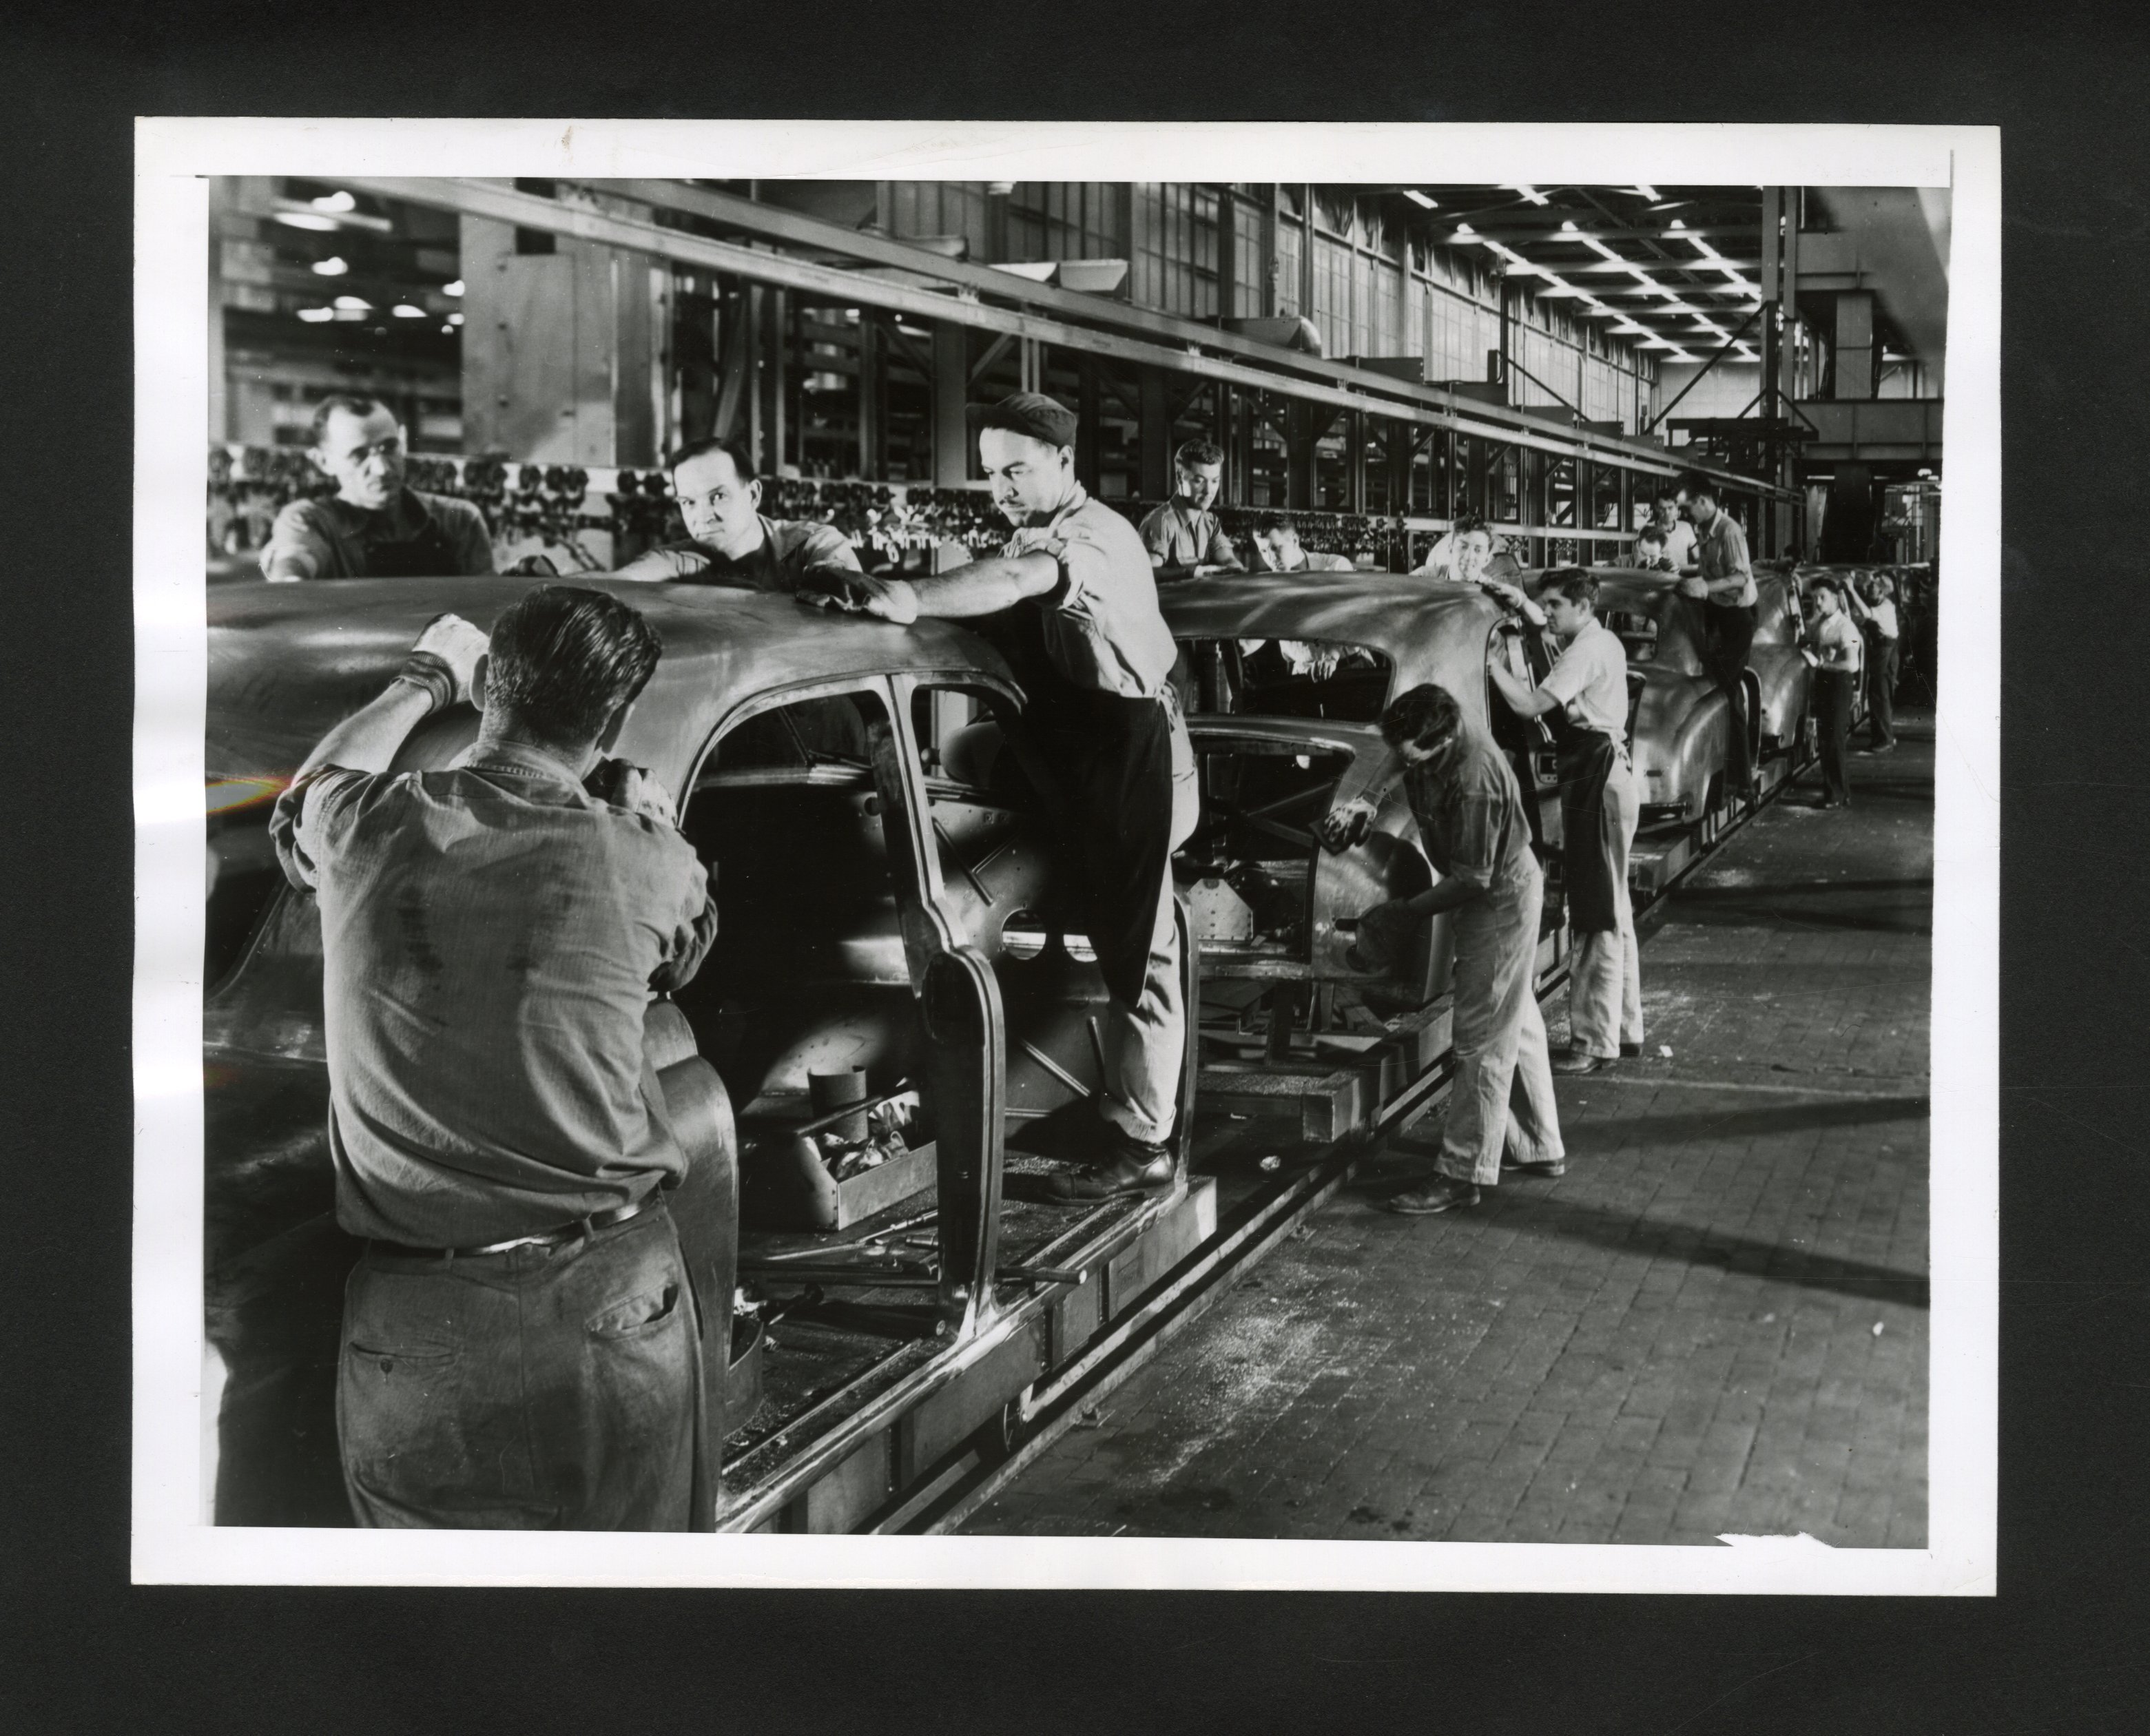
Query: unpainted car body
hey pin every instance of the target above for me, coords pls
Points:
(1279, 752)
(875, 911)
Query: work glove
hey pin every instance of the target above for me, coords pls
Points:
(1346, 826)
(1385, 935)
(630, 787)
(444, 660)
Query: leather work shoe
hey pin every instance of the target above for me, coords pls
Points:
(1574, 1061)
(1630, 1052)
(1137, 1167)
(1440, 1194)
(1549, 1168)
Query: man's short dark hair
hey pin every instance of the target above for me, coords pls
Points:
(564, 659)
(1834, 587)
(1423, 717)
(1702, 488)
(1198, 452)
(742, 459)
(1273, 522)
(1575, 583)
(1468, 522)
(1669, 490)
(1652, 533)
(351, 403)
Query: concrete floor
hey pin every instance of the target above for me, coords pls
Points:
(1715, 1322)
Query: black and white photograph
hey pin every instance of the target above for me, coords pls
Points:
(857, 876)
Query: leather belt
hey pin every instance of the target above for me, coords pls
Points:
(544, 1238)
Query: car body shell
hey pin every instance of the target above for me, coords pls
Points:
(961, 888)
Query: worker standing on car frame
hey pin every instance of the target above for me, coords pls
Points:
(1476, 833)
(1722, 579)
(1104, 722)
(1583, 699)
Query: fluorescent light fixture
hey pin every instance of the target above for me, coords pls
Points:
(404, 310)
(1464, 232)
(1532, 193)
(1644, 189)
(353, 304)
(332, 267)
(455, 319)
(314, 315)
(1421, 200)
(307, 220)
(338, 200)
(1567, 226)
(452, 288)
(1676, 224)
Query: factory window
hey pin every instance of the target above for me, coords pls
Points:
(1290, 241)
(1065, 220)
(1173, 249)
(921, 208)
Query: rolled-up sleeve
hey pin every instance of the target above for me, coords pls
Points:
(296, 545)
(303, 825)
(1476, 824)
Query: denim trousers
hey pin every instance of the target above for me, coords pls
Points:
(1502, 1094)
(540, 1388)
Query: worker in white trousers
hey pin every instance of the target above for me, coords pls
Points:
(1584, 698)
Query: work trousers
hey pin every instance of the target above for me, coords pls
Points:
(540, 1388)
(1832, 692)
(1605, 978)
(1881, 692)
(1502, 1094)
(1145, 1042)
(1729, 636)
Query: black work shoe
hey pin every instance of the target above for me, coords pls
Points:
(1135, 1168)
(1575, 1062)
(1550, 1168)
(1630, 1052)
(1440, 1194)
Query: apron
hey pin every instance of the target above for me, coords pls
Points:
(1585, 760)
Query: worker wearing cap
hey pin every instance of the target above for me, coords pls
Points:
(729, 542)
(1476, 834)
(1105, 723)
(1584, 698)
(374, 526)
(1722, 579)
(1184, 537)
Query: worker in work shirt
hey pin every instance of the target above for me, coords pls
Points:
(1835, 650)
(729, 542)
(373, 525)
(523, 1348)
(1722, 579)
(1183, 537)
(1878, 625)
(1105, 723)
(1678, 534)
(1475, 832)
(1584, 696)
(1468, 552)
(1277, 546)
(1650, 556)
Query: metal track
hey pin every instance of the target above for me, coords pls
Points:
(945, 1501)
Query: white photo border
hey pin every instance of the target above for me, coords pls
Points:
(171, 1541)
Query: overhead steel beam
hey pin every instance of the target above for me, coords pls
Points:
(1396, 398)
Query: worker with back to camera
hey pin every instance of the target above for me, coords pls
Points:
(1836, 650)
(1183, 536)
(1474, 830)
(1721, 578)
(523, 1347)
(1584, 698)
(729, 542)
(375, 525)
(1104, 724)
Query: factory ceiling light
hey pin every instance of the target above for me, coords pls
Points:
(338, 200)
(404, 310)
(314, 315)
(307, 220)
(452, 288)
(1421, 200)
(333, 267)
(353, 304)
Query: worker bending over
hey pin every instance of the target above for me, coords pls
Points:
(1277, 546)
(1105, 722)
(1836, 651)
(374, 526)
(1584, 700)
(1722, 579)
(1183, 536)
(1475, 832)
(729, 542)
(522, 1347)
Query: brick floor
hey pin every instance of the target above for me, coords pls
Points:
(1715, 1322)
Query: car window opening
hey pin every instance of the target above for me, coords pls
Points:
(1325, 678)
